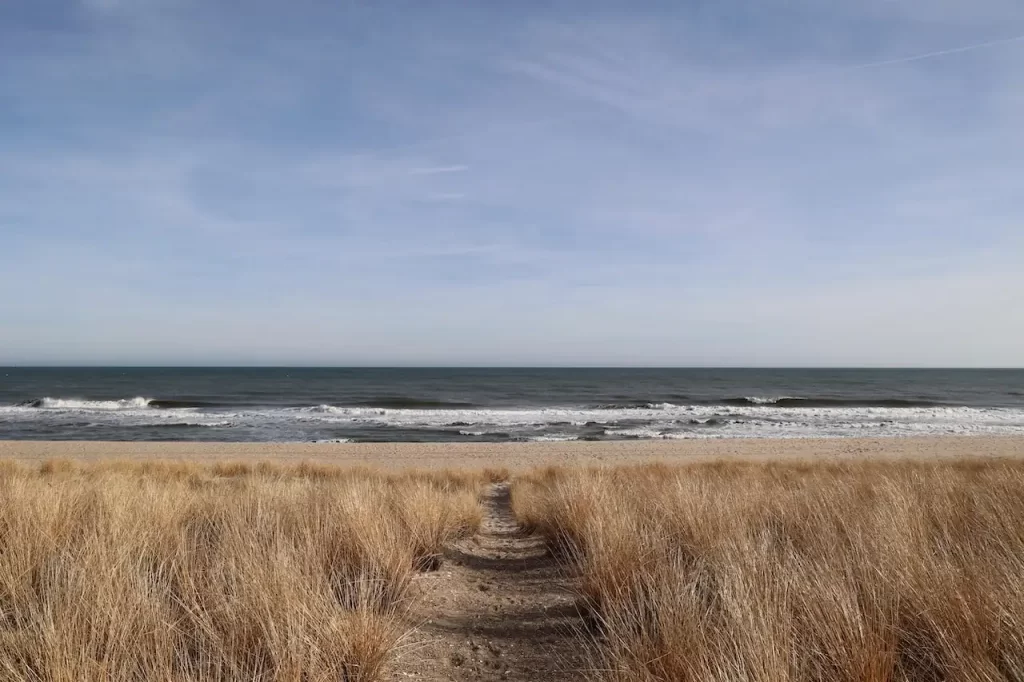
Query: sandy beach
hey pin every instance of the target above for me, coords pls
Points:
(522, 455)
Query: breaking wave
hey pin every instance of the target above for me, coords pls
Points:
(404, 403)
(393, 419)
(789, 401)
(78, 404)
(138, 403)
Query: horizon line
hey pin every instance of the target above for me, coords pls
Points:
(524, 367)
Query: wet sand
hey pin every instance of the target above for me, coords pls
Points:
(522, 455)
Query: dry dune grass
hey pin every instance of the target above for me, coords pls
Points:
(867, 572)
(174, 571)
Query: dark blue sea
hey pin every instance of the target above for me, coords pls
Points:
(488, 405)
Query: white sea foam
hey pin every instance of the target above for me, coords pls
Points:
(728, 415)
(662, 420)
(138, 403)
(762, 400)
(634, 433)
(193, 422)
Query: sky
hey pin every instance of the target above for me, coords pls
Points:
(710, 182)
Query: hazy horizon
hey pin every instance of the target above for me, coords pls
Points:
(777, 184)
(852, 368)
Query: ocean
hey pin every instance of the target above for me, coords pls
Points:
(494, 405)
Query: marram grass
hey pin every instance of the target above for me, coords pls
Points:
(858, 572)
(175, 571)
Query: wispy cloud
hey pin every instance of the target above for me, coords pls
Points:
(939, 53)
(101, 5)
(446, 196)
(437, 170)
(670, 179)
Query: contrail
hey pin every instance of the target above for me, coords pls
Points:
(940, 53)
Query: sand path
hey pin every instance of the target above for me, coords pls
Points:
(499, 608)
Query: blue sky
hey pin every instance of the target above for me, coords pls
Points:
(779, 182)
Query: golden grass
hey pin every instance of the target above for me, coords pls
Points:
(867, 572)
(176, 571)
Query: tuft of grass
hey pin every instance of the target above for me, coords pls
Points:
(870, 571)
(497, 475)
(179, 571)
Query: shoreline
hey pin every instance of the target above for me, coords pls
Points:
(523, 455)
